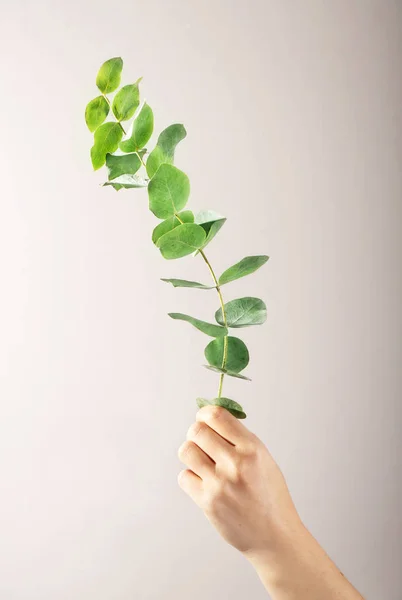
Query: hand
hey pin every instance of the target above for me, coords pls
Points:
(235, 481)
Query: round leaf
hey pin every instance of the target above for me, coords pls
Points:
(125, 164)
(109, 75)
(96, 112)
(186, 217)
(208, 328)
(165, 147)
(106, 140)
(233, 407)
(170, 137)
(237, 354)
(168, 191)
(243, 312)
(245, 267)
(143, 126)
(181, 241)
(126, 102)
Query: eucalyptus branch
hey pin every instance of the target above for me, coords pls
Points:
(180, 232)
(218, 289)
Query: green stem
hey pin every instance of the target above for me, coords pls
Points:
(139, 156)
(218, 289)
(222, 375)
(225, 339)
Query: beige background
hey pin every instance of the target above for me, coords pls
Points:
(295, 133)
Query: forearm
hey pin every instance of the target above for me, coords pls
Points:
(297, 568)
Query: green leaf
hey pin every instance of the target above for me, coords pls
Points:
(127, 182)
(165, 147)
(188, 284)
(237, 354)
(126, 101)
(208, 328)
(143, 126)
(226, 372)
(233, 407)
(170, 137)
(168, 191)
(181, 241)
(211, 222)
(109, 75)
(243, 312)
(155, 159)
(106, 140)
(96, 112)
(186, 216)
(125, 164)
(245, 267)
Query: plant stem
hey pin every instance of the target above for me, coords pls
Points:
(225, 339)
(221, 376)
(139, 156)
(110, 106)
(218, 289)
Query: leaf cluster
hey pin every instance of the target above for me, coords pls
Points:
(122, 126)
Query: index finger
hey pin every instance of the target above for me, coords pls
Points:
(226, 425)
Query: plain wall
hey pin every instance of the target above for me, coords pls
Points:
(293, 112)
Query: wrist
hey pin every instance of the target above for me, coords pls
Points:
(289, 566)
(296, 567)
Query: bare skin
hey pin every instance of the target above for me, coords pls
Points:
(233, 478)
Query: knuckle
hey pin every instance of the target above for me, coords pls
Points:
(185, 450)
(208, 504)
(211, 500)
(236, 468)
(194, 430)
(216, 495)
(251, 450)
(217, 490)
(237, 461)
(181, 478)
(215, 412)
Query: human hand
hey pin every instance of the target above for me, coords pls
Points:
(236, 482)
